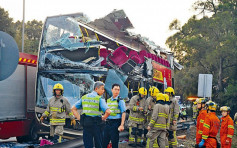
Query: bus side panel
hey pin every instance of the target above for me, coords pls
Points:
(12, 96)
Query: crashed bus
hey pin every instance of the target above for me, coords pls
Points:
(77, 52)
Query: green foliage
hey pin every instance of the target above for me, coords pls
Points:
(208, 45)
(32, 32)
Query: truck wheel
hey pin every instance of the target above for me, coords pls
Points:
(21, 139)
(33, 133)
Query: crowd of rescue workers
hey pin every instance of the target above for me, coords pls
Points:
(152, 122)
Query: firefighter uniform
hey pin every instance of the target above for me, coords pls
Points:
(158, 124)
(210, 128)
(227, 129)
(57, 109)
(174, 114)
(137, 117)
(195, 110)
(150, 103)
(200, 121)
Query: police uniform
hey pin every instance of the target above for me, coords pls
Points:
(117, 108)
(92, 105)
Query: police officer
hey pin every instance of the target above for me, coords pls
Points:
(174, 114)
(57, 109)
(115, 122)
(137, 117)
(158, 124)
(91, 119)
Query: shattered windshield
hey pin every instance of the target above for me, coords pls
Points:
(61, 30)
(75, 86)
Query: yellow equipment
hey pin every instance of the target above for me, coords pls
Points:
(160, 96)
(170, 90)
(142, 91)
(58, 86)
(212, 106)
(154, 91)
(167, 98)
(225, 108)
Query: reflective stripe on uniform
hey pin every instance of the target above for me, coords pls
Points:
(204, 136)
(57, 120)
(199, 132)
(152, 122)
(229, 136)
(134, 108)
(160, 125)
(206, 125)
(55, 109)
(113, 106)
(201, 121)
(163, 115)
(231, 126)
(136, 119)
(46, 113)
(90, 105)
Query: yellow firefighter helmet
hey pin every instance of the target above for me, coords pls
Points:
(58, 86)
(154, 91)
(212, 106)
(160, 96)
(142, 91)
(225, 108)
(167, 98)
(170, 90)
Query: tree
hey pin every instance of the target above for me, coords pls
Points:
(207, 45)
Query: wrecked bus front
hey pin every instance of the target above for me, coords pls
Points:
(65, 58)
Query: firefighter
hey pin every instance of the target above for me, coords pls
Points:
(174, 114)
(210, 128)
(167, 103)
(92, 105)
(158, 125)
(235, 118)
(115, 121)
(200, 119)
(150, 103)
(227, 127)
(137, 117)
(57, 109)
(195, 111)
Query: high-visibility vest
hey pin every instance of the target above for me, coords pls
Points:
(113, 106)
(91, 105)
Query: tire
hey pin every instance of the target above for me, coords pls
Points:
(33, 136)
(21, 139)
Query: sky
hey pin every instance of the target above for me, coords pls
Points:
(151, 18)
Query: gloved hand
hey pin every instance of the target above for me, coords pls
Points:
(73, 122)
(201, 144)
(41, 119)
(227, 142)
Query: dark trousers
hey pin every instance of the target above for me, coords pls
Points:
(92, 134)
(111, 133)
